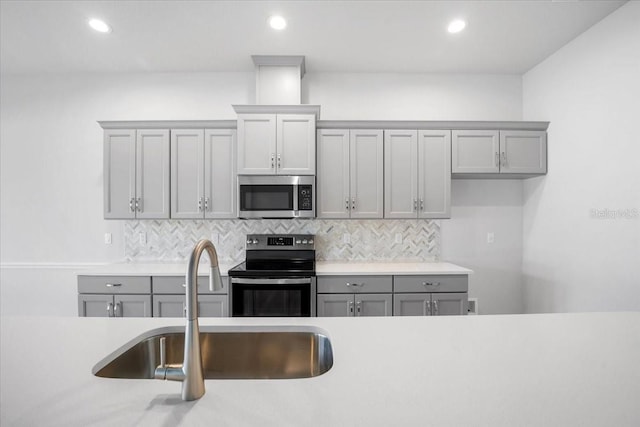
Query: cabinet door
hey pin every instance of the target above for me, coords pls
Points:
(373, 305)
(434, 173)
(169, 306)
(256, 144)
(400, 173)
(152, 174)
(119, 173)
(449, 304)
(187, 173)
(296, 144)
(100, 305)
(335, 305)
(366, 173)
(332, 182)
(213, 305)
(412, 304)
(132, 306)
(220, 173)
(523, 151)
(475, 151)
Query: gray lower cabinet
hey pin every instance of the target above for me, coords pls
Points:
(169, 297)
(345, 296)
(430, 295)
(114, 296)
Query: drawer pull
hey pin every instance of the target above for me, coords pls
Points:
(113, 285)
(354, 284)
(430, 284)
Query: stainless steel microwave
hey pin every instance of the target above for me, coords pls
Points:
(276, 196)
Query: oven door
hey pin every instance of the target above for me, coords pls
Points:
(273, 297)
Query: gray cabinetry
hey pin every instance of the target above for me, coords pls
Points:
(114, 296)
(350, 173)
(354, 296)
(203, 173)
(282, 144)
(430, 295)
(136, 173)
(417, 178)
(169, 297)
(509, 152)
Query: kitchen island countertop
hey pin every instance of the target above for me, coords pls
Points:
(525, 370)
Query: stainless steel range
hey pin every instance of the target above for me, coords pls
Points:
(277, 277)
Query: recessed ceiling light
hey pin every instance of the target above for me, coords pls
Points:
(456, 26)
(277, 22)
(99, 26)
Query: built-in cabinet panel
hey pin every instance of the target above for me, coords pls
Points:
(175, 305)
(203, 183)
(508, 152)
(136, 174)
(430, 295)
(417, 174)
(281, 144)
(358, 193)
(335, 305)
(373, 305)
(349, 305)
(110, 305)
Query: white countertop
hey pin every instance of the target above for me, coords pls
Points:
(323, 268)
(524, 370)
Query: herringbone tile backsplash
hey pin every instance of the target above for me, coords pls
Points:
(371, 240)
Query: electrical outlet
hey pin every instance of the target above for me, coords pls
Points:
(398, 237)
(107, 238)
(491, 237)
(346, 238)
(473, 306)
(143, 237)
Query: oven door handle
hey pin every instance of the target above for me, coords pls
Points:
(271, 281)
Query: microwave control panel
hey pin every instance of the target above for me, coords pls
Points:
(305, 197)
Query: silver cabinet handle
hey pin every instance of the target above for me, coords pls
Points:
(110, 310)
(131, 207)
(415, 204)
(273, 161)
(427, 284)
(497, 159)
(359, 308)
(113, 285)
(354, 284)
(115, 310)
(346, 203)
(421, 204)
(184, 309)
(504, 159)
(206, 203)
(200, 204)
(428, 307)
(279, 163)
(351, 307)
(139, 206)
(435, 308)
(353, 203)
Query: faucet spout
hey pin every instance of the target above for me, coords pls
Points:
(191, 373)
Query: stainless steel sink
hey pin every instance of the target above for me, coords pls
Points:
(227, 353)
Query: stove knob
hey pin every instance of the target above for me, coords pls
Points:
(248, 241)
(255, 241)
(311, 241)
(304, 242)
(298, 242)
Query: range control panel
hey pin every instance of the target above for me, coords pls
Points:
(280, 241)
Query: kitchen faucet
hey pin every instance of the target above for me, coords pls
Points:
(190, 373)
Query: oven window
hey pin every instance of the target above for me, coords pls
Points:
(266, 197)
(271, 301)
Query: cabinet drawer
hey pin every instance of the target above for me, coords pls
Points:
(430, 283)
(114, 284)
(176, 285)
(354, 284)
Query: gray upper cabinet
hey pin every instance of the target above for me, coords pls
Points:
(523, 151)
(203, 173)
(417, 174)
(350, 173)
(489, 153)
(282, 144)
(136, 174)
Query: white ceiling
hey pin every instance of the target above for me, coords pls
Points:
(372, 36)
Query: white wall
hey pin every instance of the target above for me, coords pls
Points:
(590, 92)
(51, 159)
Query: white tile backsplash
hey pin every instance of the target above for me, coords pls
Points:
(370, 240)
